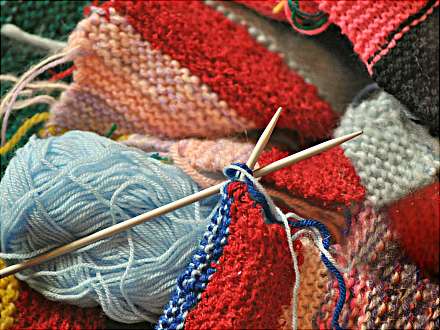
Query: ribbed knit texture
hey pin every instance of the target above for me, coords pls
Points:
(416, 219)
(394, 156)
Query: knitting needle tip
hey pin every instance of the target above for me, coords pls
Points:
(264, 138)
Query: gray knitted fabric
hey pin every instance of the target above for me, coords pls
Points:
(394, 156)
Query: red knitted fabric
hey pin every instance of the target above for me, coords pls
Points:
(369, 23)
(34, 312)
(251, 79)
(416, 220)
(327, 178)
(254, 276)
(264, 7)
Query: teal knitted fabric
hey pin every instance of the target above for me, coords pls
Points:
(50, 19)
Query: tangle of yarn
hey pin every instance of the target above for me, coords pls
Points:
(62, 188)
(7, 103)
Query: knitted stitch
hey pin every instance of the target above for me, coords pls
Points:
(410, 71)
(36, 312)
(314, 281)
(9, 292)
(328, 179)
(368, 24)
(34, 17)
(336, 81)
(383, 290)
(252, 279)
(139, 97)
(242, 72)
(394, 156)
(416, 220)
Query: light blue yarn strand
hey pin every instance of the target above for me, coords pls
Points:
(59, 189)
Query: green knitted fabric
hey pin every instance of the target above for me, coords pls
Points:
(50, 19)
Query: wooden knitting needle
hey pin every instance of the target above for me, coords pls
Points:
(262, 141)
(120, 227)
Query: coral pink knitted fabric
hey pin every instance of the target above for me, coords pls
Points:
(328, 178)
(370, 23)
(254, 275)
(251, 79)
(265, 7)
(416, 220)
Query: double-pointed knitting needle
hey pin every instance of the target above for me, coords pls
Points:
(120, 227)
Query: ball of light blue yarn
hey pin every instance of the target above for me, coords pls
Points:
(62, 188)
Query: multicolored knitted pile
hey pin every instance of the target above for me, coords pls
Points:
(196, 82)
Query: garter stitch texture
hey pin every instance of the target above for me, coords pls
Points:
(394, 156)
(328, 178)
(9, 292)
(399, 43)
(36, 312)
(336, 81)
(196, 94)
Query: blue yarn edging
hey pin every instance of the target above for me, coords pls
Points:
(193, 281)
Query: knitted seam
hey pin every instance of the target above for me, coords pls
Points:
(195, 278)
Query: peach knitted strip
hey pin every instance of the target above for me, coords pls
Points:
(152, 91)
(314, 282)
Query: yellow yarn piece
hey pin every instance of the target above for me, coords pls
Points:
(27, 125)
(9, 291)
(51, 131)
(279, 7)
